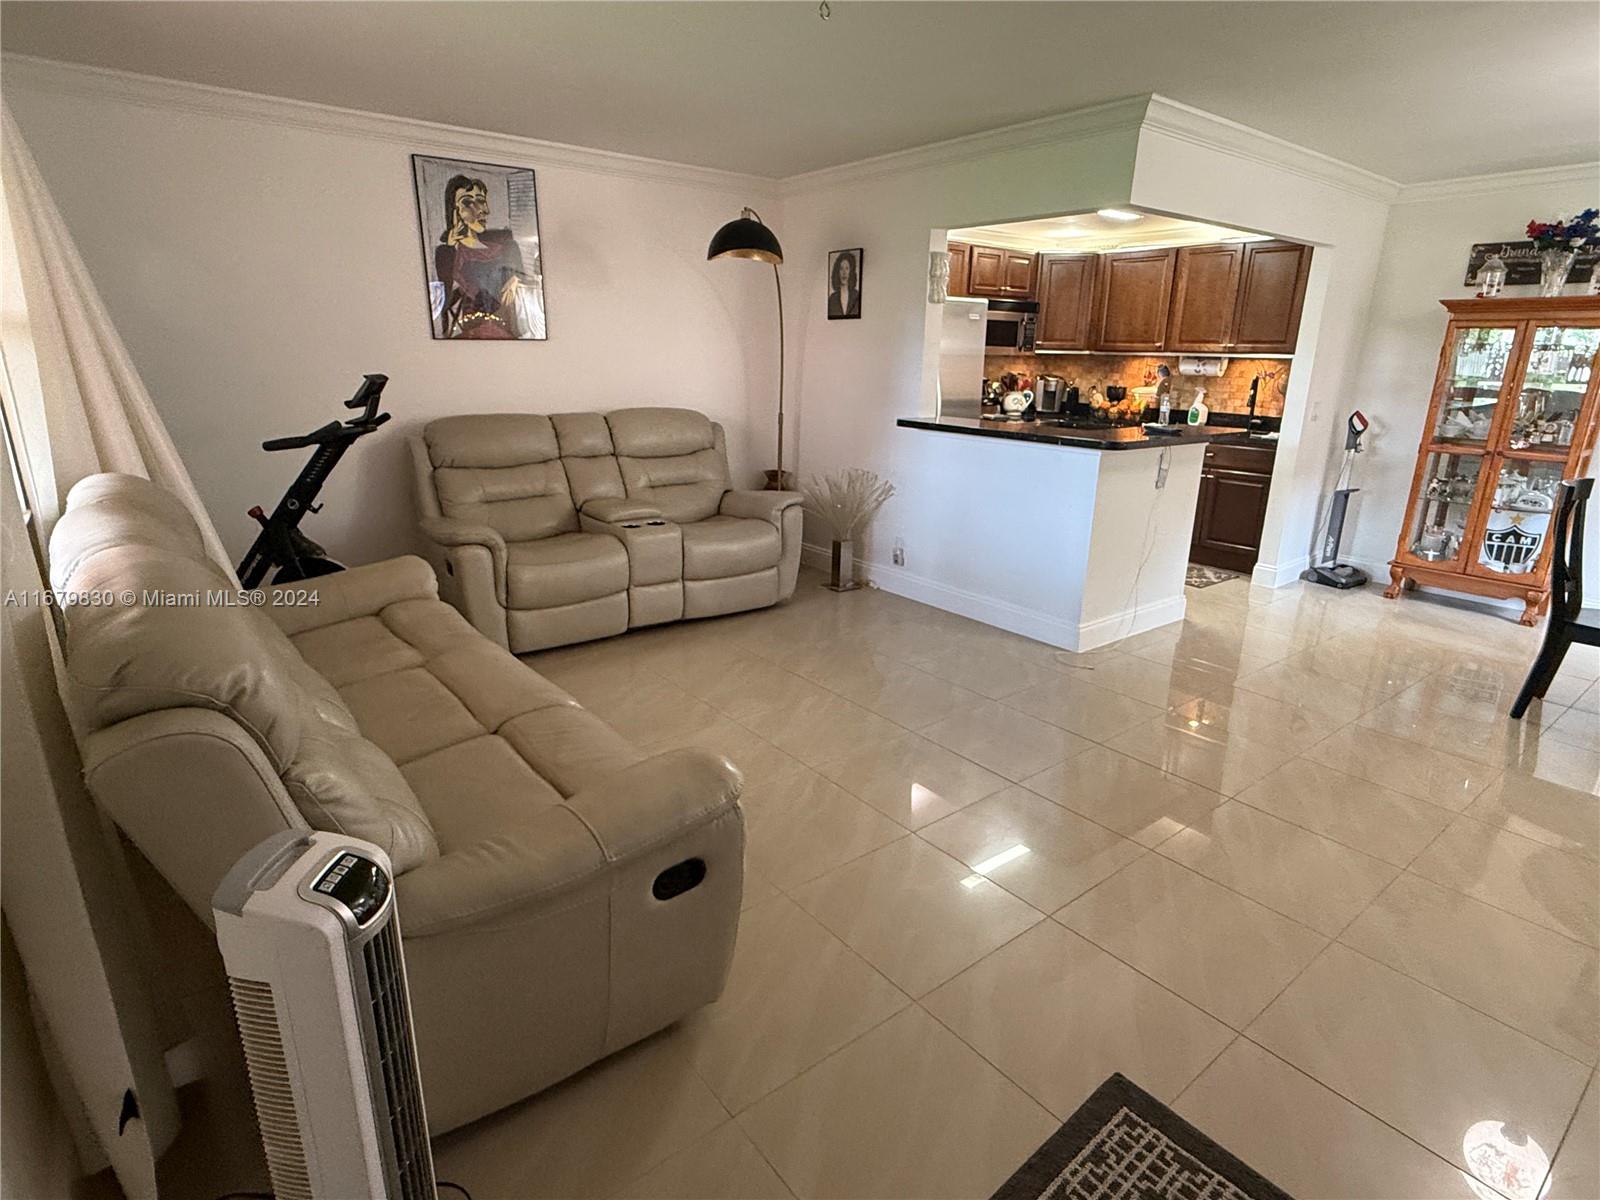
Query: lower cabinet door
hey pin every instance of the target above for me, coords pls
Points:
(1228, 518)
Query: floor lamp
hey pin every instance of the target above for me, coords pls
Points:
(747, 237)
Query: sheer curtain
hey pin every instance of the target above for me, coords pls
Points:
(73, 406)
(76, 405)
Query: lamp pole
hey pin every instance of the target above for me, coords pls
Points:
(777, 484)
(749, 237)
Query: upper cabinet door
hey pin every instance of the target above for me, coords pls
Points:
(1205, 290)
(1019, 274)
(986, 272)
(1272, 288)
(1066, 301)
(1135, 293)
(959, 261)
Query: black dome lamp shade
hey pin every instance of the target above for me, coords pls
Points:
(748, 237)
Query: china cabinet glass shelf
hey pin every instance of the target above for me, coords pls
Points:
(1513, 413)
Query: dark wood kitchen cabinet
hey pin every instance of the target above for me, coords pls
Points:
(960, 262)
(1272, 290)
(1234, 484)
(986, 271)
(1135, 295)
(1003, 274)
(1066, 301)
(1205, 293)
(1020, 277)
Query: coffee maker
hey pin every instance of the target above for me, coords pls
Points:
(1051, 394)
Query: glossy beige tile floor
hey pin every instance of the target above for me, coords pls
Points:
(1288, 866)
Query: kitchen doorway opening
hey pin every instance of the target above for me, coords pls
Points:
(1123, 318)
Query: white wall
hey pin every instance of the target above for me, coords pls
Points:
(259, 255)
(1198, 165)
(853, 379)
(1425, 250)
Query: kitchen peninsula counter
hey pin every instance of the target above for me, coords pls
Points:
(1047, 531)
(1079, 438)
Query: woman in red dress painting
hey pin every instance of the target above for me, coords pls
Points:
(481, 269)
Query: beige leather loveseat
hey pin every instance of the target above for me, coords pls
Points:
(555, 529)
(527, 836)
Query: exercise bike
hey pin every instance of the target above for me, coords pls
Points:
(280, 543)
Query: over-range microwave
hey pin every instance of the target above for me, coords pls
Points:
(1009, 326)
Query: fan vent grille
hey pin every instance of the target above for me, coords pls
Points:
(257, 1011)
(412, 1165)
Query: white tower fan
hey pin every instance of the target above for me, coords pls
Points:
(311, 942)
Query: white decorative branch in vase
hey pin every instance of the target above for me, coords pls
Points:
(845, 504)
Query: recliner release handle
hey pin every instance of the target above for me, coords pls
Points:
(679, 878)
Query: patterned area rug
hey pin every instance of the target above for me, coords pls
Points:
(1124, 1143)
(1199, 576)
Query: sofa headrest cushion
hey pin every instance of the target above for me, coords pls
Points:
(491, 440)
(659, 432)
(119, 510)
(170, 648)
(582, 435)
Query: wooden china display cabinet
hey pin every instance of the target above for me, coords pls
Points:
(1514, 412)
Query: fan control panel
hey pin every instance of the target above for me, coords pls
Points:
(356, 882)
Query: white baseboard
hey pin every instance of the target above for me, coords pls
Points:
(1277, 575)
(820, 557)
(1094, 634)
(1014, 618)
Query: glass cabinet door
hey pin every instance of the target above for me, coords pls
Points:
(1521, 511)
(1561, 361)
(1477, 370)
(1442, 510)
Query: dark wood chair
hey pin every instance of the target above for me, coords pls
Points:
(1566, 594)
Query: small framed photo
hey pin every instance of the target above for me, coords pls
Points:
(844, 284)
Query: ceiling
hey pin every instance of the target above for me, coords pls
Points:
(1412, 91)
(1094, 232)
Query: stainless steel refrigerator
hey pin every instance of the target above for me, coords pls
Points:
(961, 357)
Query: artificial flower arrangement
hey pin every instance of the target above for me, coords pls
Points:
(1558, 235)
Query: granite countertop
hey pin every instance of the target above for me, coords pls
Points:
(1083, 439)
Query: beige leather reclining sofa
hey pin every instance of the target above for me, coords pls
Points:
(548, 530)
(527, 836)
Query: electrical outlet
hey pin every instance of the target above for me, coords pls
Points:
(899, 552)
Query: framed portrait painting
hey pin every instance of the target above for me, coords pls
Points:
(844, 284)
(480, 249)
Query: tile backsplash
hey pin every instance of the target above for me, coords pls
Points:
(1228, 392)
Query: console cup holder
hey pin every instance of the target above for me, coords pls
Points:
(679, 878)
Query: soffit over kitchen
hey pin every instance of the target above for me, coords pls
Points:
(1096, 233)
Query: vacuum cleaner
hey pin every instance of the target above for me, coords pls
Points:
(280, 548)
(1329, 571)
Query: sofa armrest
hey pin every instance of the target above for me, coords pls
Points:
(656, 800)
(160, 777)
(562, 850)
(357, 592)
(612, 509)
(765, 506)
(448, 531)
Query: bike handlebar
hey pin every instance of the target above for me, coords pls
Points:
(367, 395)
(367, 398)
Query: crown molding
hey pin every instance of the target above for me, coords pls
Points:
(1575, 174)
(150, 91)
(1132, 114)
(1113, 116)
(1200, 128)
